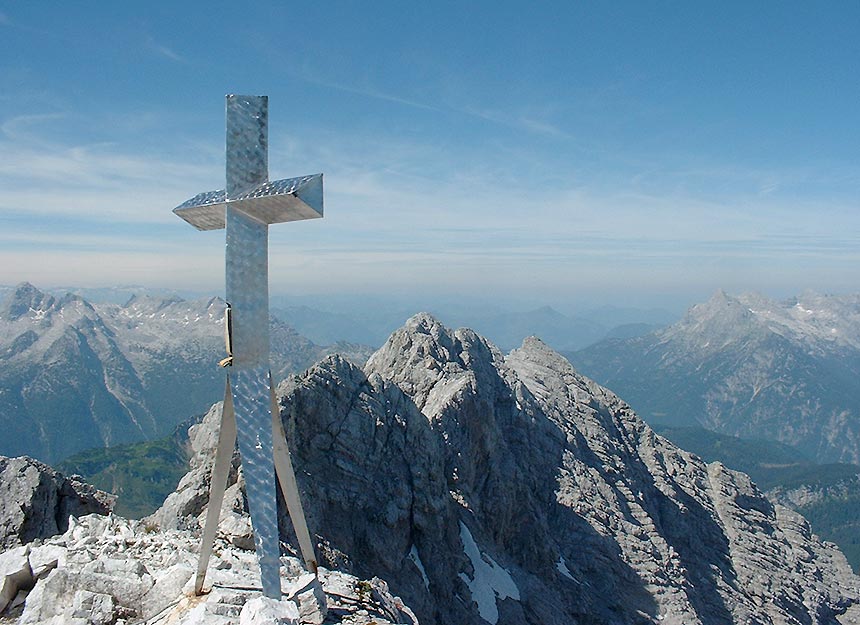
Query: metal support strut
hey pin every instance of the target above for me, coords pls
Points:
(221, 471)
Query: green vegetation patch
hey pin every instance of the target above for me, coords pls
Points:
(140, 474)
(838, 520)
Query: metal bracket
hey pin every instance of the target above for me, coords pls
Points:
(289, 487)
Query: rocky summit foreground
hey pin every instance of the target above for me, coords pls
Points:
(510, 489)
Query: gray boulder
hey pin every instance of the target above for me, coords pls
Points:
(36, 501)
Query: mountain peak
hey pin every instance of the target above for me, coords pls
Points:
(216, 301)
(748, 366)
(720, 298)
(25, 286)
(24, 299)
(430, 361)
(550, 480)
(151, 303)
(722, 313)
(535, 347)
(549, 311)
(424, 323)
(422, 339)
(534, 350)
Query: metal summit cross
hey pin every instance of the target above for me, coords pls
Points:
(246, 208)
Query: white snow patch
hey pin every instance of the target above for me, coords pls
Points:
(416, 560)
(561, 565)
(491, 581)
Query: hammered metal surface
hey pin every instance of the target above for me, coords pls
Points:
(207, 198)
(252, 407)
(247, 269)
(279, 187)
(248, 288)
(290, 199)
(247, 143)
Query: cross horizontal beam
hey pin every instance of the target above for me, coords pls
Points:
(290, 199)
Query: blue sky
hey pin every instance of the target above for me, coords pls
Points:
(562, 151)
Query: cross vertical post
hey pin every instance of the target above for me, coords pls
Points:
(247, 273)
(246, 208)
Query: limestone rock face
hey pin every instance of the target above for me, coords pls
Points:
(510, 489)
(36, 501)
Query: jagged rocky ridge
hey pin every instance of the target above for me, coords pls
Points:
(747, 366)
(510, 489)
(78, 375)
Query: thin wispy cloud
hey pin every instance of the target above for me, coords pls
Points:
(43, 177)
(449, 154)
(388, 221)
(367, 183)
(98, 167)
(542, 127)
(27, 128)
(364, 91)
(518, 122)
(165, 51)
(769, 187)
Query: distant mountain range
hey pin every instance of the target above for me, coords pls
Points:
(747, 366)
(77, 375)
(506, 329)
(365, 320)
